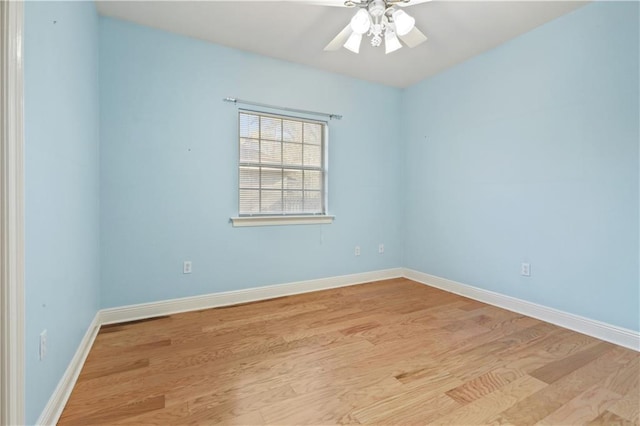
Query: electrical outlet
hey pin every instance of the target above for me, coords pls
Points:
(525, 270)
(43, 345)
(186, 267)
(357, 251)
(380, 248)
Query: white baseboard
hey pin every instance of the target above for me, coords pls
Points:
(60, 396)
(610, 333)
(168, 307)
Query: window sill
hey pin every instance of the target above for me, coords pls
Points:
(280, 220)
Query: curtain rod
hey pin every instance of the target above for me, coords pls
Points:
(302, 111)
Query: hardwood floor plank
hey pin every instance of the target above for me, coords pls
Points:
(498, 331)
(510, 341)
(584, 408)
(628, 408)
(541, 404)
(627, 379)
(116, 368)
(609, 419)
(226, 409)
(389, 352)
(108, 328)
(498, 421)
(120, 412)
(558, 343)
(568, 343)
(398, 403)
(421, 412)
(493, 403)
(472, 305)
(314, 408)
(484, 384)
(558, 369)
(170, 415)
(358, 329)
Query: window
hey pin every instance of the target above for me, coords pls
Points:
(281, 166)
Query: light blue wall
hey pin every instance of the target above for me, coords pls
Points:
(61, 188)
(529, 153)
(169, 169)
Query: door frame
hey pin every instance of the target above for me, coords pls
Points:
(12, 304)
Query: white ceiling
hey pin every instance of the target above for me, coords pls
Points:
(297, 31)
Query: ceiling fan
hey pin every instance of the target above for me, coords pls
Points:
(379, 19)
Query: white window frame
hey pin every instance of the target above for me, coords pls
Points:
(260, 219)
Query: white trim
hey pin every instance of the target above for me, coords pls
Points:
(11, 215)
(610, 333)
(280, 220)
(167, 307)
(52, 411)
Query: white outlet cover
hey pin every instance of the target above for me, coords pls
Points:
(42, 347)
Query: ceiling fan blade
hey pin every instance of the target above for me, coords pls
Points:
(339, 3)
(340, 39)
(412, 3)
(413, 37)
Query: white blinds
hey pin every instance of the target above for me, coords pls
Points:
(281, 167)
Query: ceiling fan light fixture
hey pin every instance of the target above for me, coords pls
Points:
(353, 42)
(381, 21)
(361, 22)
(403, 21)
(391, 42)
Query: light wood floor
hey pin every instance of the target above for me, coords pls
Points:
(390, 352)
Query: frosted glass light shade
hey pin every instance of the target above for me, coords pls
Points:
(403, 21)
(391, 42)
(353, 43)
(361, 22)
